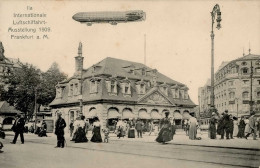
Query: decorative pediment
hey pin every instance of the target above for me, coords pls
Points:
(155, 98)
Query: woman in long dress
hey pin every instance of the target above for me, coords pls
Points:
(165, 133)
(96, 131)
(193, 127)
(235, 131)
(247, 128)
(120, 128)
(79, 127)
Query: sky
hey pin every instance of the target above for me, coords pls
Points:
(178, 42)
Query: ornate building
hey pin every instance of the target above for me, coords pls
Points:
(233, 86)
(115, 88)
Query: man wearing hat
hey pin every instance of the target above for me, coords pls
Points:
(18, 128)
(59, 130)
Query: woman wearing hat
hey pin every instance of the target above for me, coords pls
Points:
(165, 133)
(96, 131)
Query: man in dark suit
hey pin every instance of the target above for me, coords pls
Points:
(59, 130)
(18, 128)
(226, 121)
(139, 128)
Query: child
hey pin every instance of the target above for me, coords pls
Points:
(106, 133)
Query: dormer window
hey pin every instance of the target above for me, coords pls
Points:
(94, 85)
(71, 90)
(182, 94)
(141, 87)
(143, 71)
(58, 92)
(186, 96)
(76, 89)
(111, 86)
(126, 87)
(164, 89)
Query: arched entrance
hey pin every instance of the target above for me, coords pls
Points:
(112, 118)
(127, 114)
(177, 118)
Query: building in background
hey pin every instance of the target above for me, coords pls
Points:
(7, 65)
(233, 86)
(114, 88)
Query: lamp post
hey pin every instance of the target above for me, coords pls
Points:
(251, 88)
(215, 12)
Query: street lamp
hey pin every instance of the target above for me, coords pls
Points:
(215, 12)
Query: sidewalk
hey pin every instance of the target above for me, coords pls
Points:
(179, 138)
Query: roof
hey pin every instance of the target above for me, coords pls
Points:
(16, 62)
(120, 69)
(6, 108)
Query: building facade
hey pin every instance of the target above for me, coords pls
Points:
(114, 88)
(7, 65)
(233, 86)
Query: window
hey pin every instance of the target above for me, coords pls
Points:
(93, 86)
(182, 94)
(143, 71)
(245, 95)
(231, 83)
(126, 87)
(71, 90)
(246, 82)
(258, 82)
(76, 89)
(58, 92)
(244, 71)
(257, 70)
(231, 95)
(142, 88)
(258, 94)
(164, 89)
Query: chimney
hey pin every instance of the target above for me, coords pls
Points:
(79, 60)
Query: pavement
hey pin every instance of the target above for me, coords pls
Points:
(180, 138)
(130, 152)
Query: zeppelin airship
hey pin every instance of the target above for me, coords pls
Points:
(111, 17)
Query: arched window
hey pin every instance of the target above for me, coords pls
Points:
(245, 95)
(243, 63)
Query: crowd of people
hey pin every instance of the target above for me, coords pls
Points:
(224, 125)
(229, 126)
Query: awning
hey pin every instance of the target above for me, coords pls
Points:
(156, 115)
(144, 115)
(92, 113)
(177, 116)
(112, 113)
(186, 116)
(128, 114)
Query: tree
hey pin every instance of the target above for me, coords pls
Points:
(21, 87)
(26, 83)
(50, 79)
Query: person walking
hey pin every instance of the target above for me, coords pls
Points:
(212, 126)
(59, 130)
(96, 131)
(193, 127)
(80, 134)
(18, 128)
(139, 128)
(241, 128)
(165, 133)
(252, 126)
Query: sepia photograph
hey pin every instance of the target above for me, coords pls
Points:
(129, 84)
